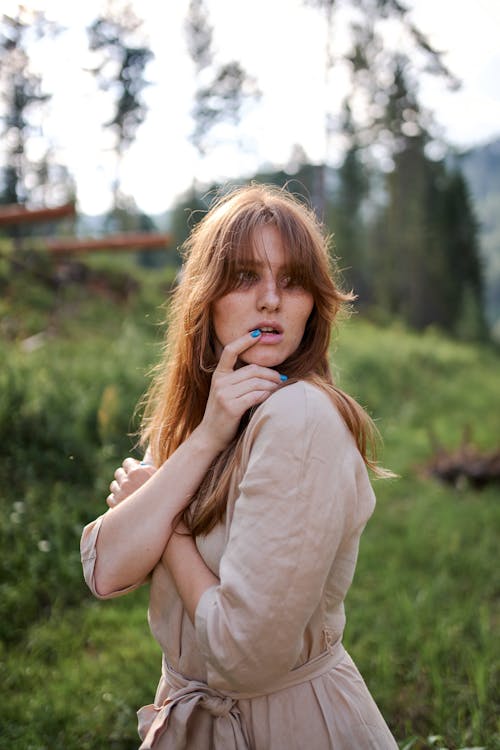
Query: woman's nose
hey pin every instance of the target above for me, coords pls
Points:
(269, 297)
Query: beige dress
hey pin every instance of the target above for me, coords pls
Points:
(263, 668)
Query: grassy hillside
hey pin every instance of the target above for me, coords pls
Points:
(424, 603)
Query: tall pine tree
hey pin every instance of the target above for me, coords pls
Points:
(425, 259)
(116, 37)
(222, 88)
(22, 97)
(345, 213)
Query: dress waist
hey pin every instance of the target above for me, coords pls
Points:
(229, 730)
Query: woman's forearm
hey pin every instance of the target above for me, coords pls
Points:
(192, 577)
(135, 533)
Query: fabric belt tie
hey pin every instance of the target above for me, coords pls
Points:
(229, 731)
(228, 727)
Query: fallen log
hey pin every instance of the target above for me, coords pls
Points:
(128, 241)
(18, 214)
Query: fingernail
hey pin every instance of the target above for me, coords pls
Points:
(144, 463)
(283, 378)
(255, 333)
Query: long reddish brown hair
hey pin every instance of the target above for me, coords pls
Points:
(216, 248)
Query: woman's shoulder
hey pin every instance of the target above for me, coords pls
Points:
(300, 393)
(298, 422)
(301, 406)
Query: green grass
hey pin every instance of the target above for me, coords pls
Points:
(424, 605)
(423, 609)
(422, 613)
(79, 678)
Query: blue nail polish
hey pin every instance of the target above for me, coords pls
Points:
(283, 378)
(255, 333)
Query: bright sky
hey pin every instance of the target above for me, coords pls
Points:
(282, 44)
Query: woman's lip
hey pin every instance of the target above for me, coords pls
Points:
(269, 324)
(270, 338)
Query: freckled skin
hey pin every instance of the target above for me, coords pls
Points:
(264, 293)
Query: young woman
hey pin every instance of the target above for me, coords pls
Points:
(247, 512)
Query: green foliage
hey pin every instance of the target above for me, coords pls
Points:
(65, 416)
(66, 406)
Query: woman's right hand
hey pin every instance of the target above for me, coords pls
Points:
(129, 477)
(233, 392)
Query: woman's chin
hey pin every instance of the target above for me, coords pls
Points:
(263, 359)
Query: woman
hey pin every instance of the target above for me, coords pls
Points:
(249, 527)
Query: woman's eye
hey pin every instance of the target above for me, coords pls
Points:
(245, 277)
(288, 281)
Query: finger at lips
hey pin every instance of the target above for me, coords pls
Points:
(231, 352)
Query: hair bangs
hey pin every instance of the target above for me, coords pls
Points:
(298, 245)
(231, 249)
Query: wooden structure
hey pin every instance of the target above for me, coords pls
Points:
(128, 241)
(16, 214)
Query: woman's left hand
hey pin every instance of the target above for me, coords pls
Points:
(129, 477)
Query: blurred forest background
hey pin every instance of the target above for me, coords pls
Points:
(416, 230)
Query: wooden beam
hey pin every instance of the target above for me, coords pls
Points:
(17, 214)
(128, 241)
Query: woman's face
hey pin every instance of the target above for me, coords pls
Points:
(265, 298)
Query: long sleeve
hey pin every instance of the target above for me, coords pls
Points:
(296, 502)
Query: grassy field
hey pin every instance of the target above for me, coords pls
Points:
(423, 608)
